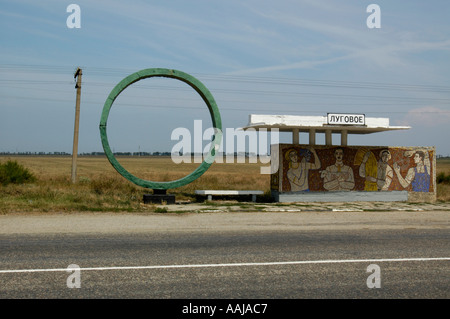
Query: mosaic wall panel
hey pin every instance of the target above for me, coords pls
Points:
(304, 168)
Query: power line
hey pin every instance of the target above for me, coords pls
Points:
(330, 83)
(399, 100)
(275, 93)
(105, 71)
(369, 100)
(237, 109)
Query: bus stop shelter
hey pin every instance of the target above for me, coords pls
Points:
(319, 124)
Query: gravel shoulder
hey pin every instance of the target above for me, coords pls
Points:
(218, 221)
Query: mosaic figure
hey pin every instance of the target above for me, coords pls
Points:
(378, 175)
(338, 177)
(385, 173)
(367, 168)
(419, 176)
(298, 171)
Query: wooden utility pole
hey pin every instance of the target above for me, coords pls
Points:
(77, 76)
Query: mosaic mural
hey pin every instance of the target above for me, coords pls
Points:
(304, 168)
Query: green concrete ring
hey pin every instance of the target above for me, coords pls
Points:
(207, 98)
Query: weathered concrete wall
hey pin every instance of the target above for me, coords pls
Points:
(393, 171)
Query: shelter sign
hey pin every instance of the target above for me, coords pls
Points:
(346, 119)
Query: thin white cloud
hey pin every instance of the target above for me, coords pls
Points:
(343, 40)
(428, 116)
(290, 66)
(30, 19)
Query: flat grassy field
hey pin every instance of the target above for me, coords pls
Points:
(443, 166)
(443, 190)
(101, 188)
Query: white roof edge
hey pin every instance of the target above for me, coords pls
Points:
(319, 123)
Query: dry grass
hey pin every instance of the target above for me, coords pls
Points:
(443, 190)
(443, 166)
(101, 188)
(96, 169)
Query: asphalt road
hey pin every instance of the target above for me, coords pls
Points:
(226, 256)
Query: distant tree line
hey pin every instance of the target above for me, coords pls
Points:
(34, 153)
(87, 154)
(246, 154)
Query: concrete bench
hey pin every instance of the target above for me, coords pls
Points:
(228, 192)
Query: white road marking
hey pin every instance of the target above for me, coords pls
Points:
(281, 263)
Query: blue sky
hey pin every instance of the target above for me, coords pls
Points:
(302, 57)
